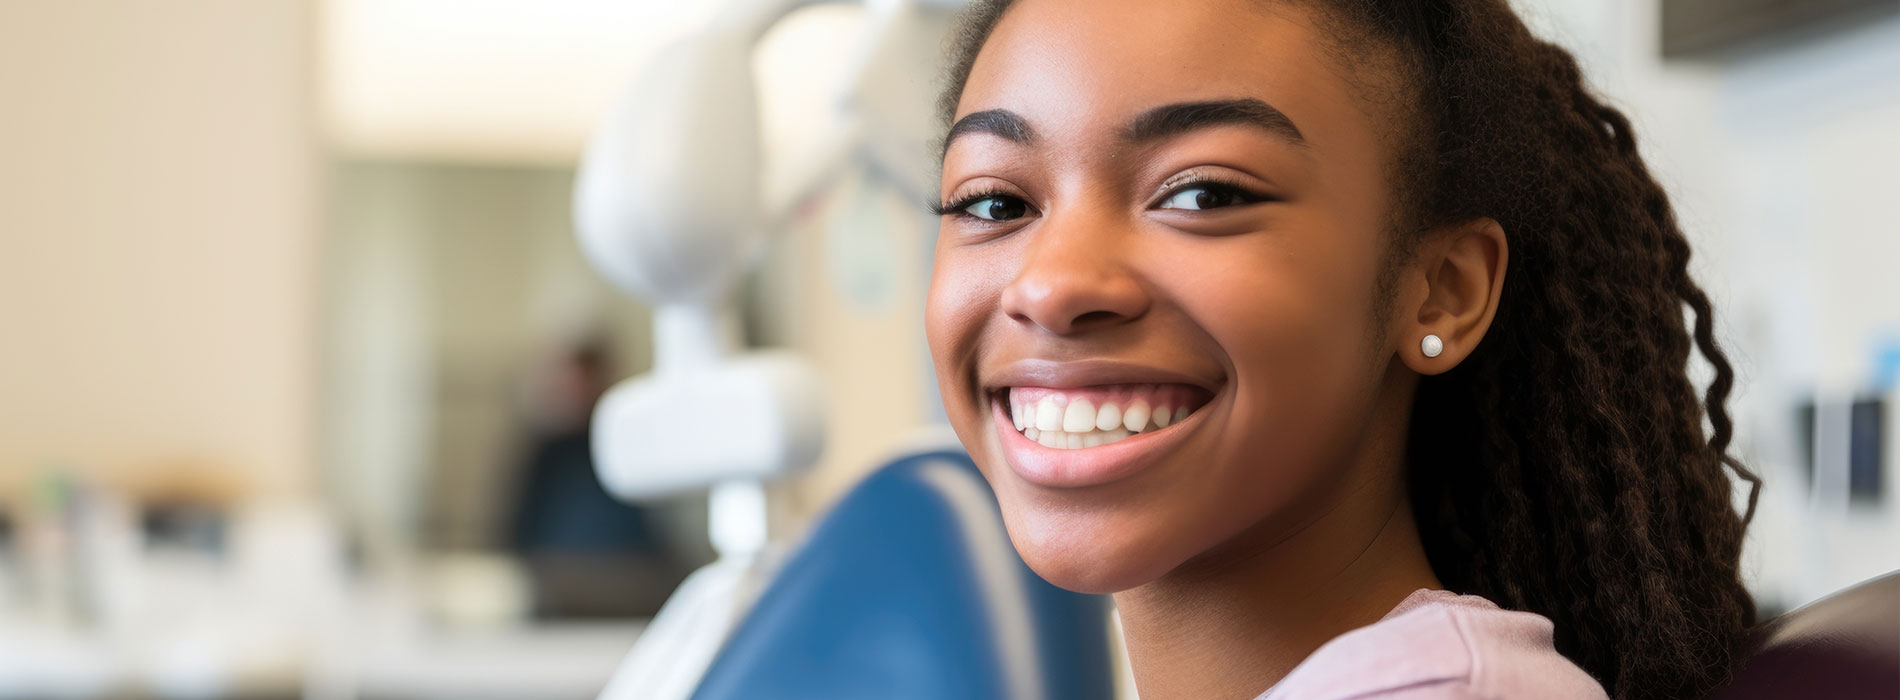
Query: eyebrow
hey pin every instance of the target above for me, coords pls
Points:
(1176, 119)
(995, 122)
(1153, 125)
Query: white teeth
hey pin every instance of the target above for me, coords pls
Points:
(1048, 415)
(1135, 419)
(1075, 423)
(1064, 440)
(1080, 418)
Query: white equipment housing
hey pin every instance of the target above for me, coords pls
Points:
(673, 204)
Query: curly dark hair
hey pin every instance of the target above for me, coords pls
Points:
(1564, 467)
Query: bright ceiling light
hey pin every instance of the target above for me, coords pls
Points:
(521, 81)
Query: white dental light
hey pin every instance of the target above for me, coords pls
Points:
(673, 204)
(668, 206)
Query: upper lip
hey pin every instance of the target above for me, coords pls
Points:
(1076, 374)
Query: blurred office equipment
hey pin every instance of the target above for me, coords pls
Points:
(1705, 27)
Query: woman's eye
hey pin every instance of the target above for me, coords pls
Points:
(998, 208)
(1206, 196)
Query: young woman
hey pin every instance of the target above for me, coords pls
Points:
(1343, 341)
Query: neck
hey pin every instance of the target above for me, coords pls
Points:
(1232, 622)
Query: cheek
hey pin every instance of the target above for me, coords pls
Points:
(1300, 342)
(949, 299)
(955, 310)
(1295, 321)
(1292, 312)
(939, 331)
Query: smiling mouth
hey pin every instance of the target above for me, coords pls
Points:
(1080, 418)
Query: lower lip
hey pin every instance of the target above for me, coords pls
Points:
(1089, 466)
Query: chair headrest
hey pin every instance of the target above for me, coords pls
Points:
(1845, 646)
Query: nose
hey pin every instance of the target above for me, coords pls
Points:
(1075, 277)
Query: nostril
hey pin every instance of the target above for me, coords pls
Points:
(1067, 298)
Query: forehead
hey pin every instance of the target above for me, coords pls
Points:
(1076, 67)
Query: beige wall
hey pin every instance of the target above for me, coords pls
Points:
(157, 239)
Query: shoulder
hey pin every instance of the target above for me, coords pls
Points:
(1437, 644)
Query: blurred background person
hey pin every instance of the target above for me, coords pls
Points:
(588, 553)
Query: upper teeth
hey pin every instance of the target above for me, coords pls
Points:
(1055, 421)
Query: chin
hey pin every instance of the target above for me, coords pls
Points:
(1086, 552)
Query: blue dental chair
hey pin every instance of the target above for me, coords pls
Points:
(909, 588)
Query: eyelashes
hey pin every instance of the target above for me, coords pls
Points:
(1214, 193)
(961, 204)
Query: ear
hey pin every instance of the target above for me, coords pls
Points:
(1452, 291)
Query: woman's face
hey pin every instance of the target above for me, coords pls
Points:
(1169, 208)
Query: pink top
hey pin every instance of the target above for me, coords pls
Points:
(1440, 645)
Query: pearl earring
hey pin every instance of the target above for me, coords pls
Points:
(1431, 346)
